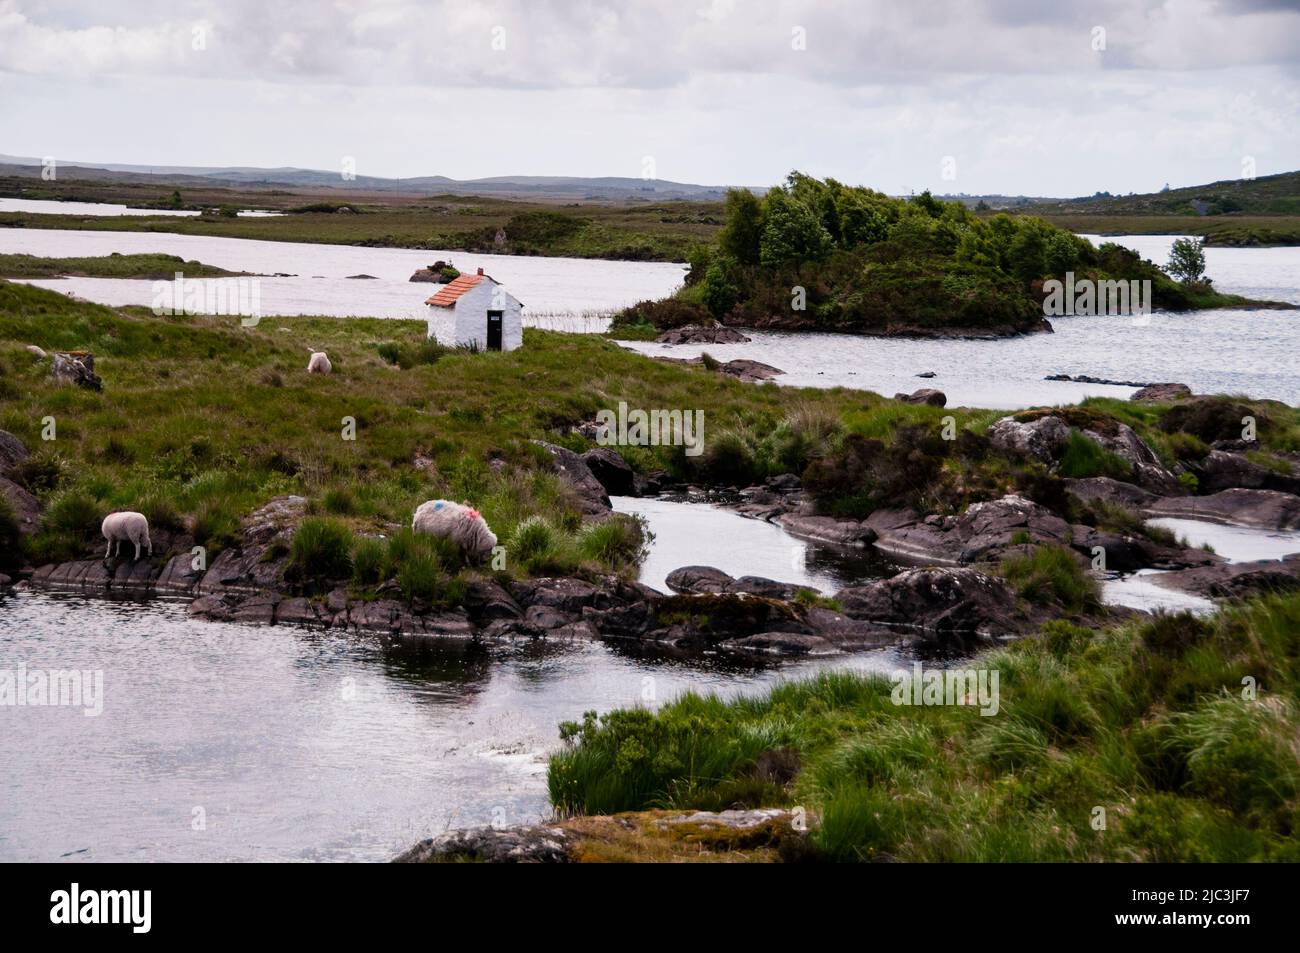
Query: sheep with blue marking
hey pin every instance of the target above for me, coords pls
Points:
(126, 527)
(458, 522)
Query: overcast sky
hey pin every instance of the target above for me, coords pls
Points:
(1025, 96)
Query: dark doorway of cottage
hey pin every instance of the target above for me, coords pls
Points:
(494, 331)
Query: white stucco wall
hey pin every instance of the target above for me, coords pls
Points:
(466, 321)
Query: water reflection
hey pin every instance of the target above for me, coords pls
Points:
(700, 534)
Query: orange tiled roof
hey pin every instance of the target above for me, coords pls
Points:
(449, 292)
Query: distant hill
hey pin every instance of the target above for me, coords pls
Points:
(1266, 195)
(520, 186)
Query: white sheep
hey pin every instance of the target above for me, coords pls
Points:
(128, 526)
(319, 363)
(458, 522)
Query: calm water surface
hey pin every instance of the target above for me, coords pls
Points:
(294, 744)
(697, 534)
(565, 293)
(1236, 544)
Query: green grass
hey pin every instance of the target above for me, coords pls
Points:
(1052, 576)
(158, 267)
(368, 560)
(1246, 212)
(322, 550)
(202, 421)
(1084, 457)
(1146, 721)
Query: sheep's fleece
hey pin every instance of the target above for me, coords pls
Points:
(461, 524)
(319, 363)
(126, 527)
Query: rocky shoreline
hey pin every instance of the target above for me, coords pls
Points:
(945, 593)
(953, 608)
(707, 610)
(755, 835)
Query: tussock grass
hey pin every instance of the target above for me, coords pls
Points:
(1146, 720)
(322, 549)
(1053, 576)
(1084, 457)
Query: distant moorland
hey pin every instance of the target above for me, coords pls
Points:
(604, 222)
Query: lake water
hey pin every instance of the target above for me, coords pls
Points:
(698, 534)
(565, 293)
(108, 209)
(1236, 544)
(289, 744)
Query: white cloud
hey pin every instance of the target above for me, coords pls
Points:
(712, 88)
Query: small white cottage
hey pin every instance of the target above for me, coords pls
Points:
(476, 311)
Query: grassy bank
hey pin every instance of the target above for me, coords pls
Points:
(156, 267)
(201, 420)
(1146, 722)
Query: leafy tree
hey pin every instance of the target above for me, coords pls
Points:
(699, 257)
(742, 235)
(860, 224)
(1061, 254)
(979, 247)
(1187, 260)
(932, 206)
(1026, 257)
(792, 232)
(717, 291)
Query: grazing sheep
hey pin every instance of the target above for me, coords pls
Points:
(319, 363)
(458, 522)
(131, 527)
